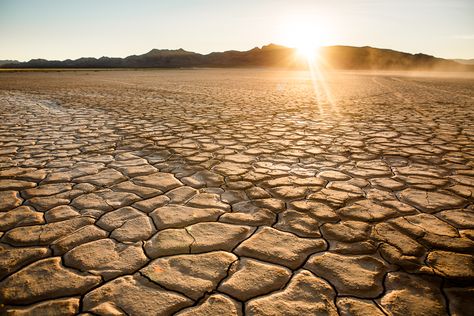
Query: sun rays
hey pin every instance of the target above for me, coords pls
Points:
(318, 73)
(307, 36)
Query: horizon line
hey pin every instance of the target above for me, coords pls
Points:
(228, 50)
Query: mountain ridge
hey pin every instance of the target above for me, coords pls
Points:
(7, 61)
(271, 55)
(464, 61)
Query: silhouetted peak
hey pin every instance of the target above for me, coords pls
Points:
(167, 52)
(423, 55)
(272, 46)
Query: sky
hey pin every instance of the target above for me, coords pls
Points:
(61, 29)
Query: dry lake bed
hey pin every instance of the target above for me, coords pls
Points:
(236, 192)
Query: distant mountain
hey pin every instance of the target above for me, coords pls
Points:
(338, 57)
(5, 62)
(348, 57)
(465, 61)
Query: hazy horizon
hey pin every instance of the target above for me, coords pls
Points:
(68, 30)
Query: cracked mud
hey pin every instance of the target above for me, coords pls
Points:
(236, 192)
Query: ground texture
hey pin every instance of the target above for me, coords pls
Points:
(213, 192)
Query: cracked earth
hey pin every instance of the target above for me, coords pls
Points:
(235, 192)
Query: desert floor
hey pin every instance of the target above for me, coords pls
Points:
(231, 192)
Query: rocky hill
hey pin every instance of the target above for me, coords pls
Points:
(338, 57)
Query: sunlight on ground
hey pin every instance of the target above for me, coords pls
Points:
(318, 71)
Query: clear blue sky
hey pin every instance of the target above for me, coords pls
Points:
(59, 29)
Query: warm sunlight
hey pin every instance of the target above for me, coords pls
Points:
(307, 50)
(306, 35)
(245, 157)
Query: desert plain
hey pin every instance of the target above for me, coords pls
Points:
(236, 192)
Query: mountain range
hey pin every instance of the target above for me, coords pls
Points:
(7, 61)
(337, 57)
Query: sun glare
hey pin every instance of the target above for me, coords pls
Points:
(304, 35)
(307, 35)
(307, 50)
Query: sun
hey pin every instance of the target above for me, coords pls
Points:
(307, 50)
(305, 35)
